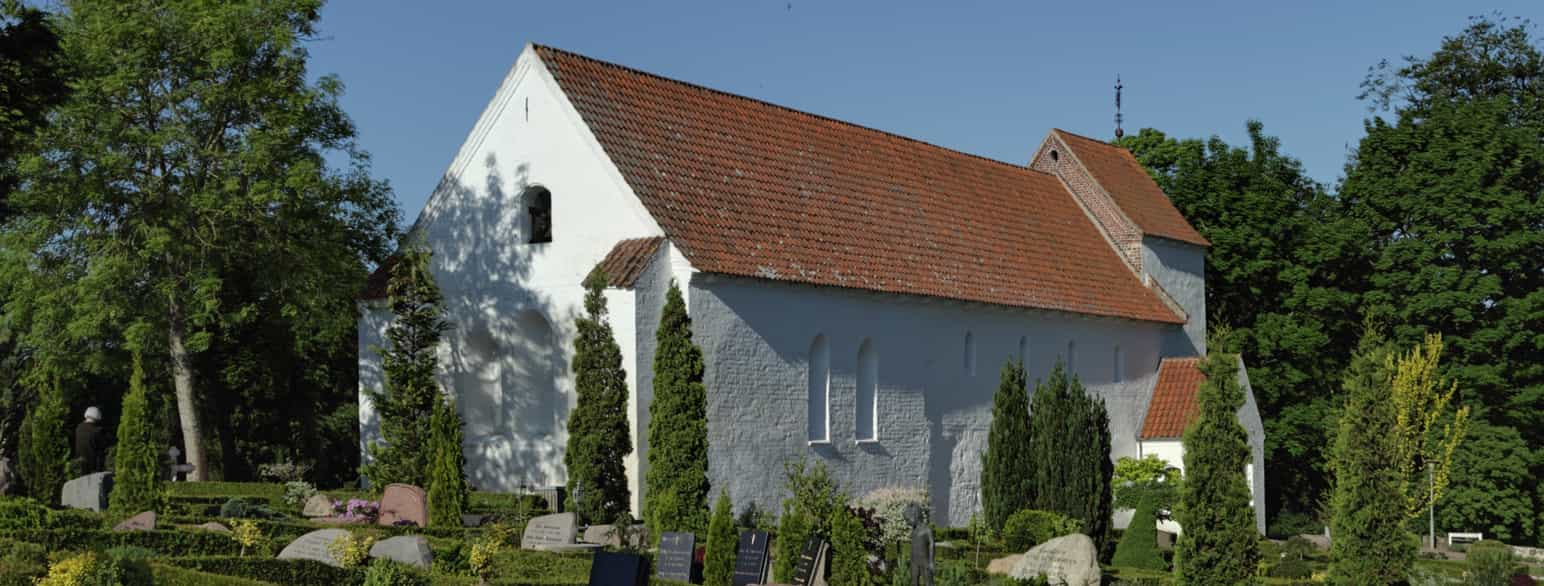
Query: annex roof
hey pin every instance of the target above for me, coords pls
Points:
(743, 187)
(1174, 403)
(627, 260)
(1121, 176)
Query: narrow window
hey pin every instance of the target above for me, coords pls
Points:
(1072, 358)
(970, 354)
(1024, 352)
(1120, 365)
(868, 392)
(540, 208)
(820, 390)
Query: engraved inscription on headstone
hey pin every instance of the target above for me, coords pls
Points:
(750, 562)
(1069, 559)
(313, 546)
(550, 531)
(675, 556)
(617, 569)
(811, 562)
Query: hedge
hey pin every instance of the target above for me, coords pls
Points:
(271, 492)
(169, 575)
(161, 541)
(273, 570)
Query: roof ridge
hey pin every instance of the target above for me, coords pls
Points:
(1087, 138)
(785, 108)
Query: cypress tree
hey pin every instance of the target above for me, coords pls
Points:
(718, 564)
(1007, 472)
(849, 557)
(597, 427)
(409, 361)
(1219, 545)
(1139, 545)
(447, 478)
(676, 489)
(1069, 435)
(1368, 540)
(45, 459)
(136, 461)
(793, 527)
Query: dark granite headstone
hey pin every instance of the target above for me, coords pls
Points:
(617, 569)
(812, 560)
(404, 503)
(674, 561)
(750, 562)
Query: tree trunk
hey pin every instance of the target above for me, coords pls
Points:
(182, 380)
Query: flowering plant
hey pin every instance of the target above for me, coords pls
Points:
(361, 510)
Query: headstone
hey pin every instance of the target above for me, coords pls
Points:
(473, 520)
(674, 561)
(600, 534)
(412, 550)
(1070, 559)
(811, 562)
(404, 502)
(617, 569)
(1165, 541)
(1320, 542)
(319, 505)
(7, 478)
(213, 526)
(313, 546)
(87, 492)
(142, 522)
(550, 530)
(750, 562)
(1003, 565)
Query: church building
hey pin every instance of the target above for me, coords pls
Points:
(854, 292)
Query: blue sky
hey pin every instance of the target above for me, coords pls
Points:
(988, 78)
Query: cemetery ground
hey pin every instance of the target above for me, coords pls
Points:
(227, 533)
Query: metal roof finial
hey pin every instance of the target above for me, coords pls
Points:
(1118, 132)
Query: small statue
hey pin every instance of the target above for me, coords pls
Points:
(921, 570)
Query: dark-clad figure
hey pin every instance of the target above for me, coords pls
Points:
(921, 570)
(90, 442)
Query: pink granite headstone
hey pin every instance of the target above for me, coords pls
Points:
(404, 502)
(142, 522)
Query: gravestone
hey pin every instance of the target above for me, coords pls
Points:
(213, 526)
(1070, 559)
(674, 561)
(7, 478)
(142, 522)
(600, 535)
(319, 505)
(87, 492)
(313, 546)
(412, 550)
(750, 562)
(473, 519)
(634, 537)
(617, 569)
(811, 564)
(548, 531)
(404, 502)
(1004, 565)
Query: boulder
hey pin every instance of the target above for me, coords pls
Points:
(412, 550)
(404, 503)
(313, 546)
(87, 492)
(1070, 559)
(319, 505)
(213, 526)
(1004, 565)
(142, 522)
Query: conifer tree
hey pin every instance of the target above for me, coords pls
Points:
(718, 564)
(45, 462)
(137, 459)
(447, 478)
(406, 405)
(1369, 543)
(1138, 547)
(597, 427)
(1007, 473)
(849, 557)
(1069, 434)
(676, 490)
(1219, 545)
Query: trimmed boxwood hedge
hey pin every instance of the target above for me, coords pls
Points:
(272, 570)
(169, 575)
(161, 541)
(224, 490)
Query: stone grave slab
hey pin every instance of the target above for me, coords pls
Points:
(1004, 565)
(750, 562)
(547, 531)
(617, 569)
(599, 534)
(313, 546)
(142, 522)
(319, 505)
(1070, 559)
(674, 560)
(473, 519)
(811, 564)
(412, 550)
(213, 526)
(404, 502)
(87, 492)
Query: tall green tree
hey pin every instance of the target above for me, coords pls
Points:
(405, 406)
(676, 487)
(193, 148)
(1007, 468)
(448, 494)
(1370, 543)
(137, 457)
(45, 455)
(1069, 435)
(1219, 545)
(597, 427)
(718, 563)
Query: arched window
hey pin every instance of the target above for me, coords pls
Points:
(1072, 358)
(970, 354)
(1120, 365)
(820, 390)
(1024, 352)
(868, 392)
(540, 208)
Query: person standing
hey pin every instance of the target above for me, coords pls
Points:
(90, 442)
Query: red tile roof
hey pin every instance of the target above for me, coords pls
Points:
(1133, 190)
(626, 261)
(744, 187)
(1174, 404)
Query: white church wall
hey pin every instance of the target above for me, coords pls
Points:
(1181, 269)
(933, 416)
(511, 305)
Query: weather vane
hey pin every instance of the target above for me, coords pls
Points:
(1118, 132)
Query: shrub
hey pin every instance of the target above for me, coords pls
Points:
(1028, 528)
(718, 564)
(1219, 545)
(219, 491)
(849, 556)
(168, 542)
(1292, 569)
(45, 458)
(678, 430)
(136, 459)
(22, 513)
(1138, 548)
(284, 471)
(1007, 473)
(447, 473)
(813, 496)
(95, 569)
(74, 519)
(168, 575)
(240, 508)
(792, 529)
(382, 572)
(598, 439)
(1490, 564)
(297, 492)
(1069, 434)
(21, 564)
(272, 570)
(351, 550)
(246, 533)
(890, 505)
